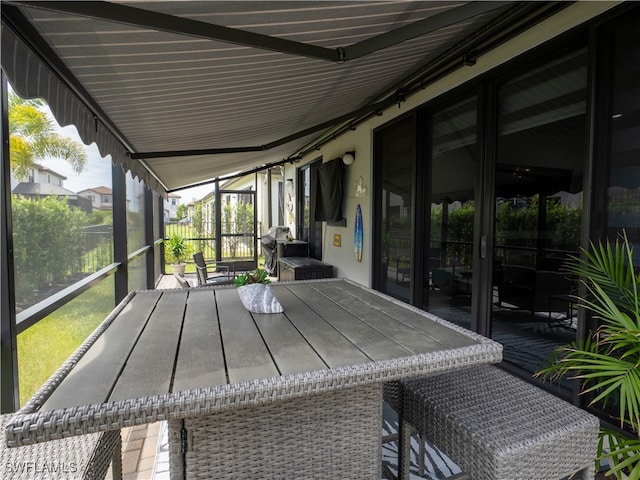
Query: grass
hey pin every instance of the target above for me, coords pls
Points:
(46, 345)
(43, 347)
(207, 247)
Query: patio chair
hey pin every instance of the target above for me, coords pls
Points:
(221, 276)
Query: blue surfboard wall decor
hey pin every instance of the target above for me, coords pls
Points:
(358, 234)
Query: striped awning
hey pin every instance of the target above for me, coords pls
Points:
(182, 92)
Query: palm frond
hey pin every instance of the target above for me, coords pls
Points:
(607, 363)
(621, 452)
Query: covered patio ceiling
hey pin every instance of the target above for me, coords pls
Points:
(183, 92)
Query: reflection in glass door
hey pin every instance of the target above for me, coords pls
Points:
(448, 256)
(538, 198)
(623, 189)
(395, 163)
(309, 230)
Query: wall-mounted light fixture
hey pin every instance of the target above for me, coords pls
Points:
(348, 158)
(289, 182)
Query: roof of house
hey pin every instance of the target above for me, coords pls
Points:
(33, 189)
(44, 168)
(102, 190)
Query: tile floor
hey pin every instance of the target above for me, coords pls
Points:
(139, 452)
(139, 446)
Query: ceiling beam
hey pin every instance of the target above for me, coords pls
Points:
(519, 17)
(421, 27)
(142, 18)
(276, 143)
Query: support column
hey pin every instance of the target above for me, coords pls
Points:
(120, 254)
(9, 393)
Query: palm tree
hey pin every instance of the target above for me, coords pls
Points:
(608, 363)
(32, 138)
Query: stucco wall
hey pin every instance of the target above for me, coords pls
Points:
(361, 139)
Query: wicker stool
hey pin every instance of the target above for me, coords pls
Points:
(498, 427)
(81, 457)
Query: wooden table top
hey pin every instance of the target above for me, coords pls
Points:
(164, 342)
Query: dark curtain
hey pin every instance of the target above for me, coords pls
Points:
(330, 191)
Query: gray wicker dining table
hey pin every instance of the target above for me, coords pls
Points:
(294, 395)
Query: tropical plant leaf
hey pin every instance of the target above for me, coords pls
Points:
(621, 452)
(33, 138)
(607, 363)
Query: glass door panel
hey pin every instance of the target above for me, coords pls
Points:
(396, 160)
(308, 229)
(538, 198)
(623, 193)
(448, 257)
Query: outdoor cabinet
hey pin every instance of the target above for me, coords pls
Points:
(293, 248)
(303, 268)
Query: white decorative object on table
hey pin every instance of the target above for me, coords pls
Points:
(259, 298)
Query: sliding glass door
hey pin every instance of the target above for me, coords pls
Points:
(395, 164)
(307, 229)
(538, 202)
(448, 254)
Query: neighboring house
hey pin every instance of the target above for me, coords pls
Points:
(40, 174)
(171, 206)
(43, 181)
(101, 197)
(208, 211)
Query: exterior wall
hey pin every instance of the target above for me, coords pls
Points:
(96, 199)
(104, 201)
(42, 175)
(47, 176)
(171, 203)
(361, 139)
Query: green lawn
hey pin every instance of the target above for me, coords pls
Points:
(46, 345)
(206, 246)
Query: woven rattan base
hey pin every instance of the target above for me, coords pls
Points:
(498, 427)
(85, 457)
(335, 435)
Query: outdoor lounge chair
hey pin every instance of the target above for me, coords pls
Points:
(221, 276)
